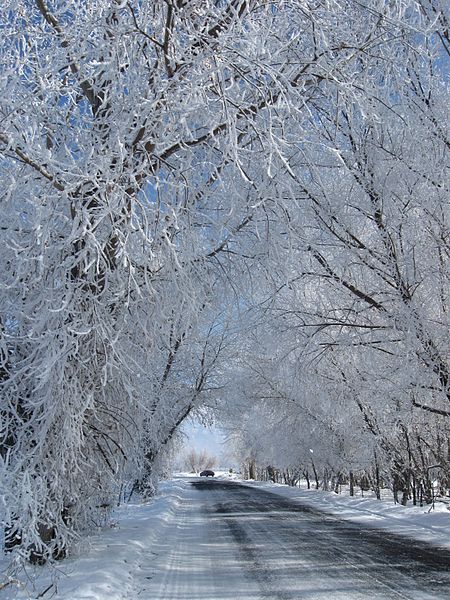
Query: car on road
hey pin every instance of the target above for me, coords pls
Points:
(207, 473)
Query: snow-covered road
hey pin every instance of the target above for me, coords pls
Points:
(232, 541)
(220, 539)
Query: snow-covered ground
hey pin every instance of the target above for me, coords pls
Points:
(130, 559)
(105, 566)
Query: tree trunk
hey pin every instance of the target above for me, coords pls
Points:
(316, 477)
(308, 482)
(352, 484)
(326, 480)
(377, 479)
(251, 469)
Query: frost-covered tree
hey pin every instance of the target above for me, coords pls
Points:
(128, 133)
(358, 294)
(197, 460)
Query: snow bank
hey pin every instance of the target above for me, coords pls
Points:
(102, 568)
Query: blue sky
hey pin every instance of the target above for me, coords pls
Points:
(211, 439)
(207, 438)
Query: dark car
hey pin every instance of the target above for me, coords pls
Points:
(207, 473)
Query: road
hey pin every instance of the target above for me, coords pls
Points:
(231, 541)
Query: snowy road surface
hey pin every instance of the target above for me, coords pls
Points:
(231, 541)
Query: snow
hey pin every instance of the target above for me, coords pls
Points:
(133, 556)
(106, 567)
